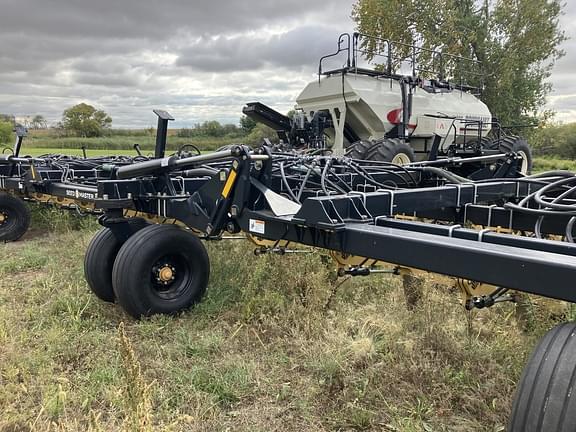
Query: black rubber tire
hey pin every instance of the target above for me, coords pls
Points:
(358, 149)
(386, 149)
(512, 143)
(546, 398)
(99, 262)
(16, 215)
(134, 281)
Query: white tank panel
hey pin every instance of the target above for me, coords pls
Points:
(371, 100)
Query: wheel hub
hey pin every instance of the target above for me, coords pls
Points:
(3, 218)
(166, 274)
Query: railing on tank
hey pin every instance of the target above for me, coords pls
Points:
(344, 44)
(448, 70)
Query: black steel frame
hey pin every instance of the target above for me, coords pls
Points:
(301, 199)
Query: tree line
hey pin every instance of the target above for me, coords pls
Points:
(215, 129)
(85, 121)
(555, 141)
(8, 121)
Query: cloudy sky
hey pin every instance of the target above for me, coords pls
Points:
(198, 59)
(563, 98)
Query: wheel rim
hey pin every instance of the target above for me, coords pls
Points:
(524, 166)
(171, 276)
(401, 159)
(7, 221)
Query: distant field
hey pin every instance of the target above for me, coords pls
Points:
(77, 152)
(549, 164)
(89, 152)
(120, 140)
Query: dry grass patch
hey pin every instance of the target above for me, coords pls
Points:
(273, 347)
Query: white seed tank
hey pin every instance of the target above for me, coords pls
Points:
(372, 107)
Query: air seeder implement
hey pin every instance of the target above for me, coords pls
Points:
(385, 101)
(475, 217)
(457, 227)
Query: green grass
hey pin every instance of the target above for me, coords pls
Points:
(76, 152)
(542, 164)
(271, 347)
(122, 142)
(89, 152)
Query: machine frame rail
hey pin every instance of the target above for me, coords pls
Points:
(346, 206)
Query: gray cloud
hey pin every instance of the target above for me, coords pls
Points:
(563, 96)
(198, 59)
(130, 56)
(301, 47)
(149, 19)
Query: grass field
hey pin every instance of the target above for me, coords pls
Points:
(78, 152)
(276, 345)
(123, 142)
(551, 163)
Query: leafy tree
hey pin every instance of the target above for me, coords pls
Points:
(212, 128)
(260, 131)
(185, 133)
(516, 42)
(8, 118)
(230, 129)
(247, 124)
(86, 121)
(555, 140)
(6, 135)
(39, 122)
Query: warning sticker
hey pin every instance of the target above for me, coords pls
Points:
(257, 226)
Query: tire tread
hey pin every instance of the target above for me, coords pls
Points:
(359, 149)
(385, 149)
(21, 212)
(543, 400)
(127, 292)
(98, 263)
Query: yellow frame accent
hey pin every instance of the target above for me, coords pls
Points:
(229, 184)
